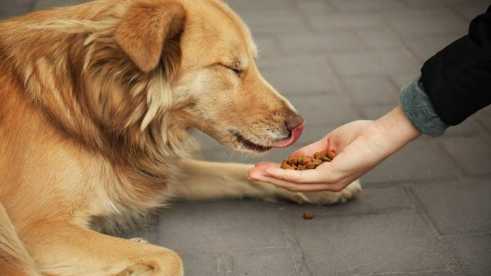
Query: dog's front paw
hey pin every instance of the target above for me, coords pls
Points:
(167, 263)
(326, 198)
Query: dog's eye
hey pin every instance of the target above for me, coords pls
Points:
(237, 71)
(234, 69)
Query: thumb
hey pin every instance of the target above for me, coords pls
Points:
(311, 149)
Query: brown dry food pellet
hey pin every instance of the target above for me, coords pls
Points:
(308, 216)
(306, 162)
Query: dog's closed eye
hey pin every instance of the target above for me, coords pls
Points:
(236, 68)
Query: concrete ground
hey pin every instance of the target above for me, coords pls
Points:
(425, 211)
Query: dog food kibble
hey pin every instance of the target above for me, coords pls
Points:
(306, 162)
(308, 216)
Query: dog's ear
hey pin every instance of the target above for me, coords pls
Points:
(149, 31)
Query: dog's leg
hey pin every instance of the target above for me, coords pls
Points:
(65, 249)
(14, 258)
(208, 180)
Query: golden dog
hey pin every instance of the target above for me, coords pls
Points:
(96, 104)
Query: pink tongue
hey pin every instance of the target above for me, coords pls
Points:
(296, 133)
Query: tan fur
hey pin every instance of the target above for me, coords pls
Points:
(96, 105)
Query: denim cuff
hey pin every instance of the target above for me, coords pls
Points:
(419, 110)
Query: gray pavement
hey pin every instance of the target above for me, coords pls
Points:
(425, 211)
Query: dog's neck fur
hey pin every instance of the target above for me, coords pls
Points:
(85, 92)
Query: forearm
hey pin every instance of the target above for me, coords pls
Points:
(457, 79)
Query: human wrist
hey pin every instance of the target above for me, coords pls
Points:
(396, 129)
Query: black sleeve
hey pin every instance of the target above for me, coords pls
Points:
(458, 79)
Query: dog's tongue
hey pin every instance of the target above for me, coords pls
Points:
(296, 133)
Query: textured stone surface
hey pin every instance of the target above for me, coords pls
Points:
(348, 21)
(334, 41)
(397, 241)
(457, 207)
(425, 211)
(372, 90)
(375, 62)
(43, 4)
(474, 252)
(318, 76)
(422, 160)
(9, 8)
(484, 117)
(425, 47)
(472, 154)
(418, 23)
(381, 38)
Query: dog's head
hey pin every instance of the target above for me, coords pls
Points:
(174, 65)
(209, 60)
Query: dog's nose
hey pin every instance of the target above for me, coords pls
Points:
(294, 124)
(293, 121)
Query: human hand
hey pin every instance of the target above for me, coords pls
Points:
(357, 147)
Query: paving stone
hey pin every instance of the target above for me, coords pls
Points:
(44, 4)
(474, 252)
(403, 80)
(425, 4)
(325, 109)
(215, 216)
(372, 200)
(267, 262)
(423, 159)
(275, 21)
(9, 8)
(317, 77)
(375, 62)
(268, 47)
(419, 273)
(314, 7)
(208, 226)
(257, 6)
(469, 127)
(321, 42)
(383, 38)
(371, 90)
(426, 47)
(353, 245)
(197, 263)
(426, 22)
(472, 10)
(484, 117)
(457, 207)
(473, 154)
(186, 227)
(347, 21)
(368, 6)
